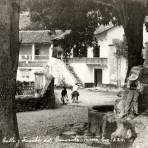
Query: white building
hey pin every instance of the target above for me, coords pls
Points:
(108, 68)
(36, 52)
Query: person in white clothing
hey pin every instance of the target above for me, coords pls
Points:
(75, 94)
(75, 87)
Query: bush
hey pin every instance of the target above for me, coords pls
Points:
(24, 88)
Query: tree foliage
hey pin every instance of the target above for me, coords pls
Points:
(83, 16)
(131, 15)
(79, 16)
(121, 46)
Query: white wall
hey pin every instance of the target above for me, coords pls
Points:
(84, 72)
(145, 35)
(56, 67)
(106, 76)
(124, 68)
(32, 70)
(90, 52)
(25, 50)
(106, 51)
(44, 49)
(105, 39)
(59, 70)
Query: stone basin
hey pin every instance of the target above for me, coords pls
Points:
(103, 108)
(101, 120)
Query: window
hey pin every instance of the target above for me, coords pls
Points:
(37, 51)
(96, 51)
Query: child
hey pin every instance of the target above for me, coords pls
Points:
(64, 95)
(75, 94)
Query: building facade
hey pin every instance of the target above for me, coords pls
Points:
(36, 52)
(109, 67)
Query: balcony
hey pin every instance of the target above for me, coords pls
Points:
(32, 58)
(88, 61)
(41, 57)
(30, 61)
(25, 57)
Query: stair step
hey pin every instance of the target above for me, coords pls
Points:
(74, 74)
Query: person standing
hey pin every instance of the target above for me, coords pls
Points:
(75, 93)
(64, 95)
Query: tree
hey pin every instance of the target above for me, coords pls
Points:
(121, 52)
(132, 19)
(9, 51)
(130, 14)
(83, 17)
(79, 16)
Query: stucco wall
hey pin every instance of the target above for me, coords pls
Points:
(25, 50)
(123, 70)
(86, 72)
(145, 35)
(106, 51)
(44, 49)
(83, 71)
(59, 70)
(56, 67)
(105, 39)
(31, 71)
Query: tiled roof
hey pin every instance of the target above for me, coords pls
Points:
(44, 36)
(40, 36)
(103, 28)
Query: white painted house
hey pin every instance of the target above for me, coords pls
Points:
(106, 69)
(102, 69)
(108, 50)
(36, 53)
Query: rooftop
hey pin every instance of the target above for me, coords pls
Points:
(103, 28)
(46, 36)
(40, 36)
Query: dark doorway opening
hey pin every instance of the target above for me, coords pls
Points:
(98, 76)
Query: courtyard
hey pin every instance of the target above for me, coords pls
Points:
(52, 122)
(45, 124)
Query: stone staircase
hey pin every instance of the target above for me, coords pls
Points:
(70, 68)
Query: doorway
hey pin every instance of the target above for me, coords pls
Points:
(98, 76)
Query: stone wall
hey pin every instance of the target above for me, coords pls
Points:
(31, 103)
